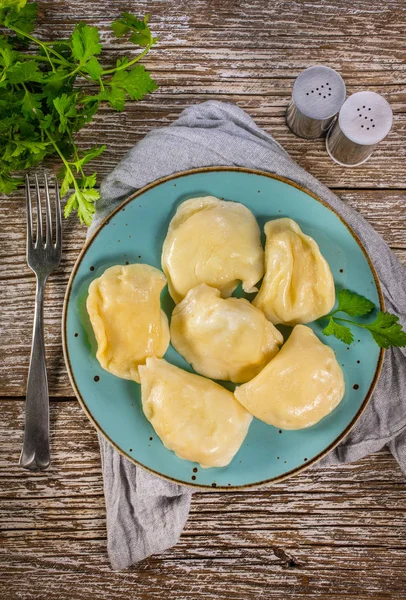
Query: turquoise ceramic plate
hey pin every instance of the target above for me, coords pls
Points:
(135, 233)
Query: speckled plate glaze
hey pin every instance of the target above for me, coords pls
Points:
(135, 233)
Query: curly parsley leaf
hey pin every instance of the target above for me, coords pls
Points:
(387, 331)
(93, 68)
(85, 42)
(9, 184)
(90, 155)
(135, 83)
(7, 56)
(66, 178)
(31, 105)
(353, 304)
(140, 32)
(57, 83)
(21, 146)
(21, 72)
(339, 331)
(17, 14)
(17, 5)
(82, 200)
(66, 108)
(43, 103)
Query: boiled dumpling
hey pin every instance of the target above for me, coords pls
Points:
(215, 242)
(196, 418)
(300, 386)
(125, 312)
(223, 338)
(298, 286)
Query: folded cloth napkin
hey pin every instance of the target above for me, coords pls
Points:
(145, 514)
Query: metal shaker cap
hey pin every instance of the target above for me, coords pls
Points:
(365, 118)
(319, 92)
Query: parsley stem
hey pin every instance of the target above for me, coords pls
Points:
(60, 42)
(43, 46)
(75, 152)
(352, 322)
(40, 58)
(129, 64)
(69, 74)
(63, 159)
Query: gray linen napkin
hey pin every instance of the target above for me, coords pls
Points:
(145, 514)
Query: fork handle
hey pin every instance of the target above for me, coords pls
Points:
(35, 454)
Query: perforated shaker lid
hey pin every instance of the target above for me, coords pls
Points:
(365, 118)
(319, 92)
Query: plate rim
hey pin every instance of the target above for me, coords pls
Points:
(106, 220)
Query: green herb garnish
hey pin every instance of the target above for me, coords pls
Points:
(385, 329)
(42, 106)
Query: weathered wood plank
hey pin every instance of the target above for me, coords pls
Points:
(314, 536)
(251, 575)
(386, 210)
(121, 131)
(326, 19)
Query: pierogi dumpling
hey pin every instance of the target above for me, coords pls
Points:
(193, 416)
(215, 242)
(225, 339)
(297, 388)
(298, 286)
(125, 312)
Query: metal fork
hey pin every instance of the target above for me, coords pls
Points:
(43, 256)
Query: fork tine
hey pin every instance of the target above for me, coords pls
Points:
(48, 223)
(58, 241)
(29, 209)
(39, 213)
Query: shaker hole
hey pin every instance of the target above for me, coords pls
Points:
(324, 96)
(362, 126)
(327, 83)
(319, 93)
(307, 93)
(329, 94)
(322, 86)
(373, 125)
(366, 117)
(312, 91)
(367, 128)
(371, 120)
(317, 89)
(363, 107)
(369, 109)
(358, 109)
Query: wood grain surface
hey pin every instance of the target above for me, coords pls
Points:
(326, 533)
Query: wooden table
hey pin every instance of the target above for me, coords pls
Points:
(326, 533)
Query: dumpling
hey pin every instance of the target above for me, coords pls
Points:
(300, 386)
(125, 312)
(196, 418)
(215, 242)
(298, 286)
(225, 339)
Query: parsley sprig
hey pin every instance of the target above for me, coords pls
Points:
(45, 98)
(385, 329)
